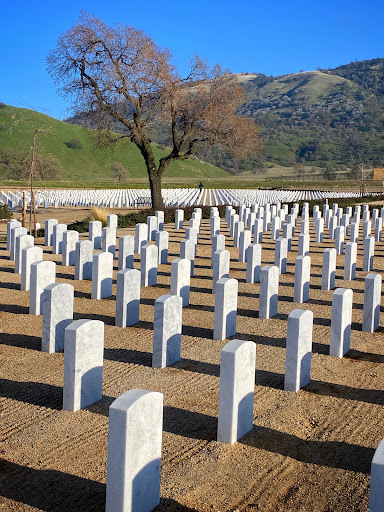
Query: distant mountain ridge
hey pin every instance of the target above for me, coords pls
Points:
(325, 115)
(322, 117)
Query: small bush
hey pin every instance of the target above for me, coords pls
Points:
(2, 104)
(5, 212)
(74, 144)
(99, 213)
(79, 226)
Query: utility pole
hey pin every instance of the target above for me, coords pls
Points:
(31, 184)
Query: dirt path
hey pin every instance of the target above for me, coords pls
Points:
(308, 451)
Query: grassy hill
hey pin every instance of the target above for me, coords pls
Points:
(324, 117)
(306, 86)
(87, 164)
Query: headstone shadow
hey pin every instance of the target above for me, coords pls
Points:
(123, 355)
(109, 320)
(10, 286)
(370, 396)
(189, 424)
(334, 454)
(7, 269)
(34, 393)
(14, 308)
(21, 340)
(63, 492)
(197, 332)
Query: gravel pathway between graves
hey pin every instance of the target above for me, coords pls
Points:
(308, 451)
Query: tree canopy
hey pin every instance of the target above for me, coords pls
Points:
(119, 74)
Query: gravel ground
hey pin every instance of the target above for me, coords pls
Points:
(308, 451)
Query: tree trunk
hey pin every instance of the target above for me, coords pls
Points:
(155, 186)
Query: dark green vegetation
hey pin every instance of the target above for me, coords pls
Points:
(5, 212)
(68, 152)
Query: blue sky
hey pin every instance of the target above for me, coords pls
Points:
(256, 36)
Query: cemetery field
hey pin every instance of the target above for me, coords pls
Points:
(308, 451)
(274, 179)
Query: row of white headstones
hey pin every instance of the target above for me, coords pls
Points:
(124, 198)
(136, 410)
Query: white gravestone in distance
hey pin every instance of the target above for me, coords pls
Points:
(83, 259)
(179, 219)
(48, 231)
(148, 265)
(127, 297)
(11, 224)
(218, 244)
(281, 254)
(161, 242)
(329, 269)
(22, 241)
(298, 350)
(57, 315)
(160, 220)
(83, 364)
(341, 322)
(269, 291)
(43, 273)
(369, 249)
(221, 262)
(141, 236)
(57, 238)
(28, 256)
(245, 241)
(187, 251)
(371, 308)
(167, 330)
(69, 248)
(181, 279)
(152, 224)
(109, 240)
(112, 221)
(102, 271)
(253, 263)
(302, 279)
(225, 308)
(126, 251)
(15, 232)
(350, 261)
(95, 231)
(237, 384)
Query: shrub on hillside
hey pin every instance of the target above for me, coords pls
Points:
(74, 144)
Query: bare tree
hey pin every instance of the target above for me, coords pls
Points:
(118, 74)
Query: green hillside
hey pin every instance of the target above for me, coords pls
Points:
(324, 117)
(17, 127)
(307, 86)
